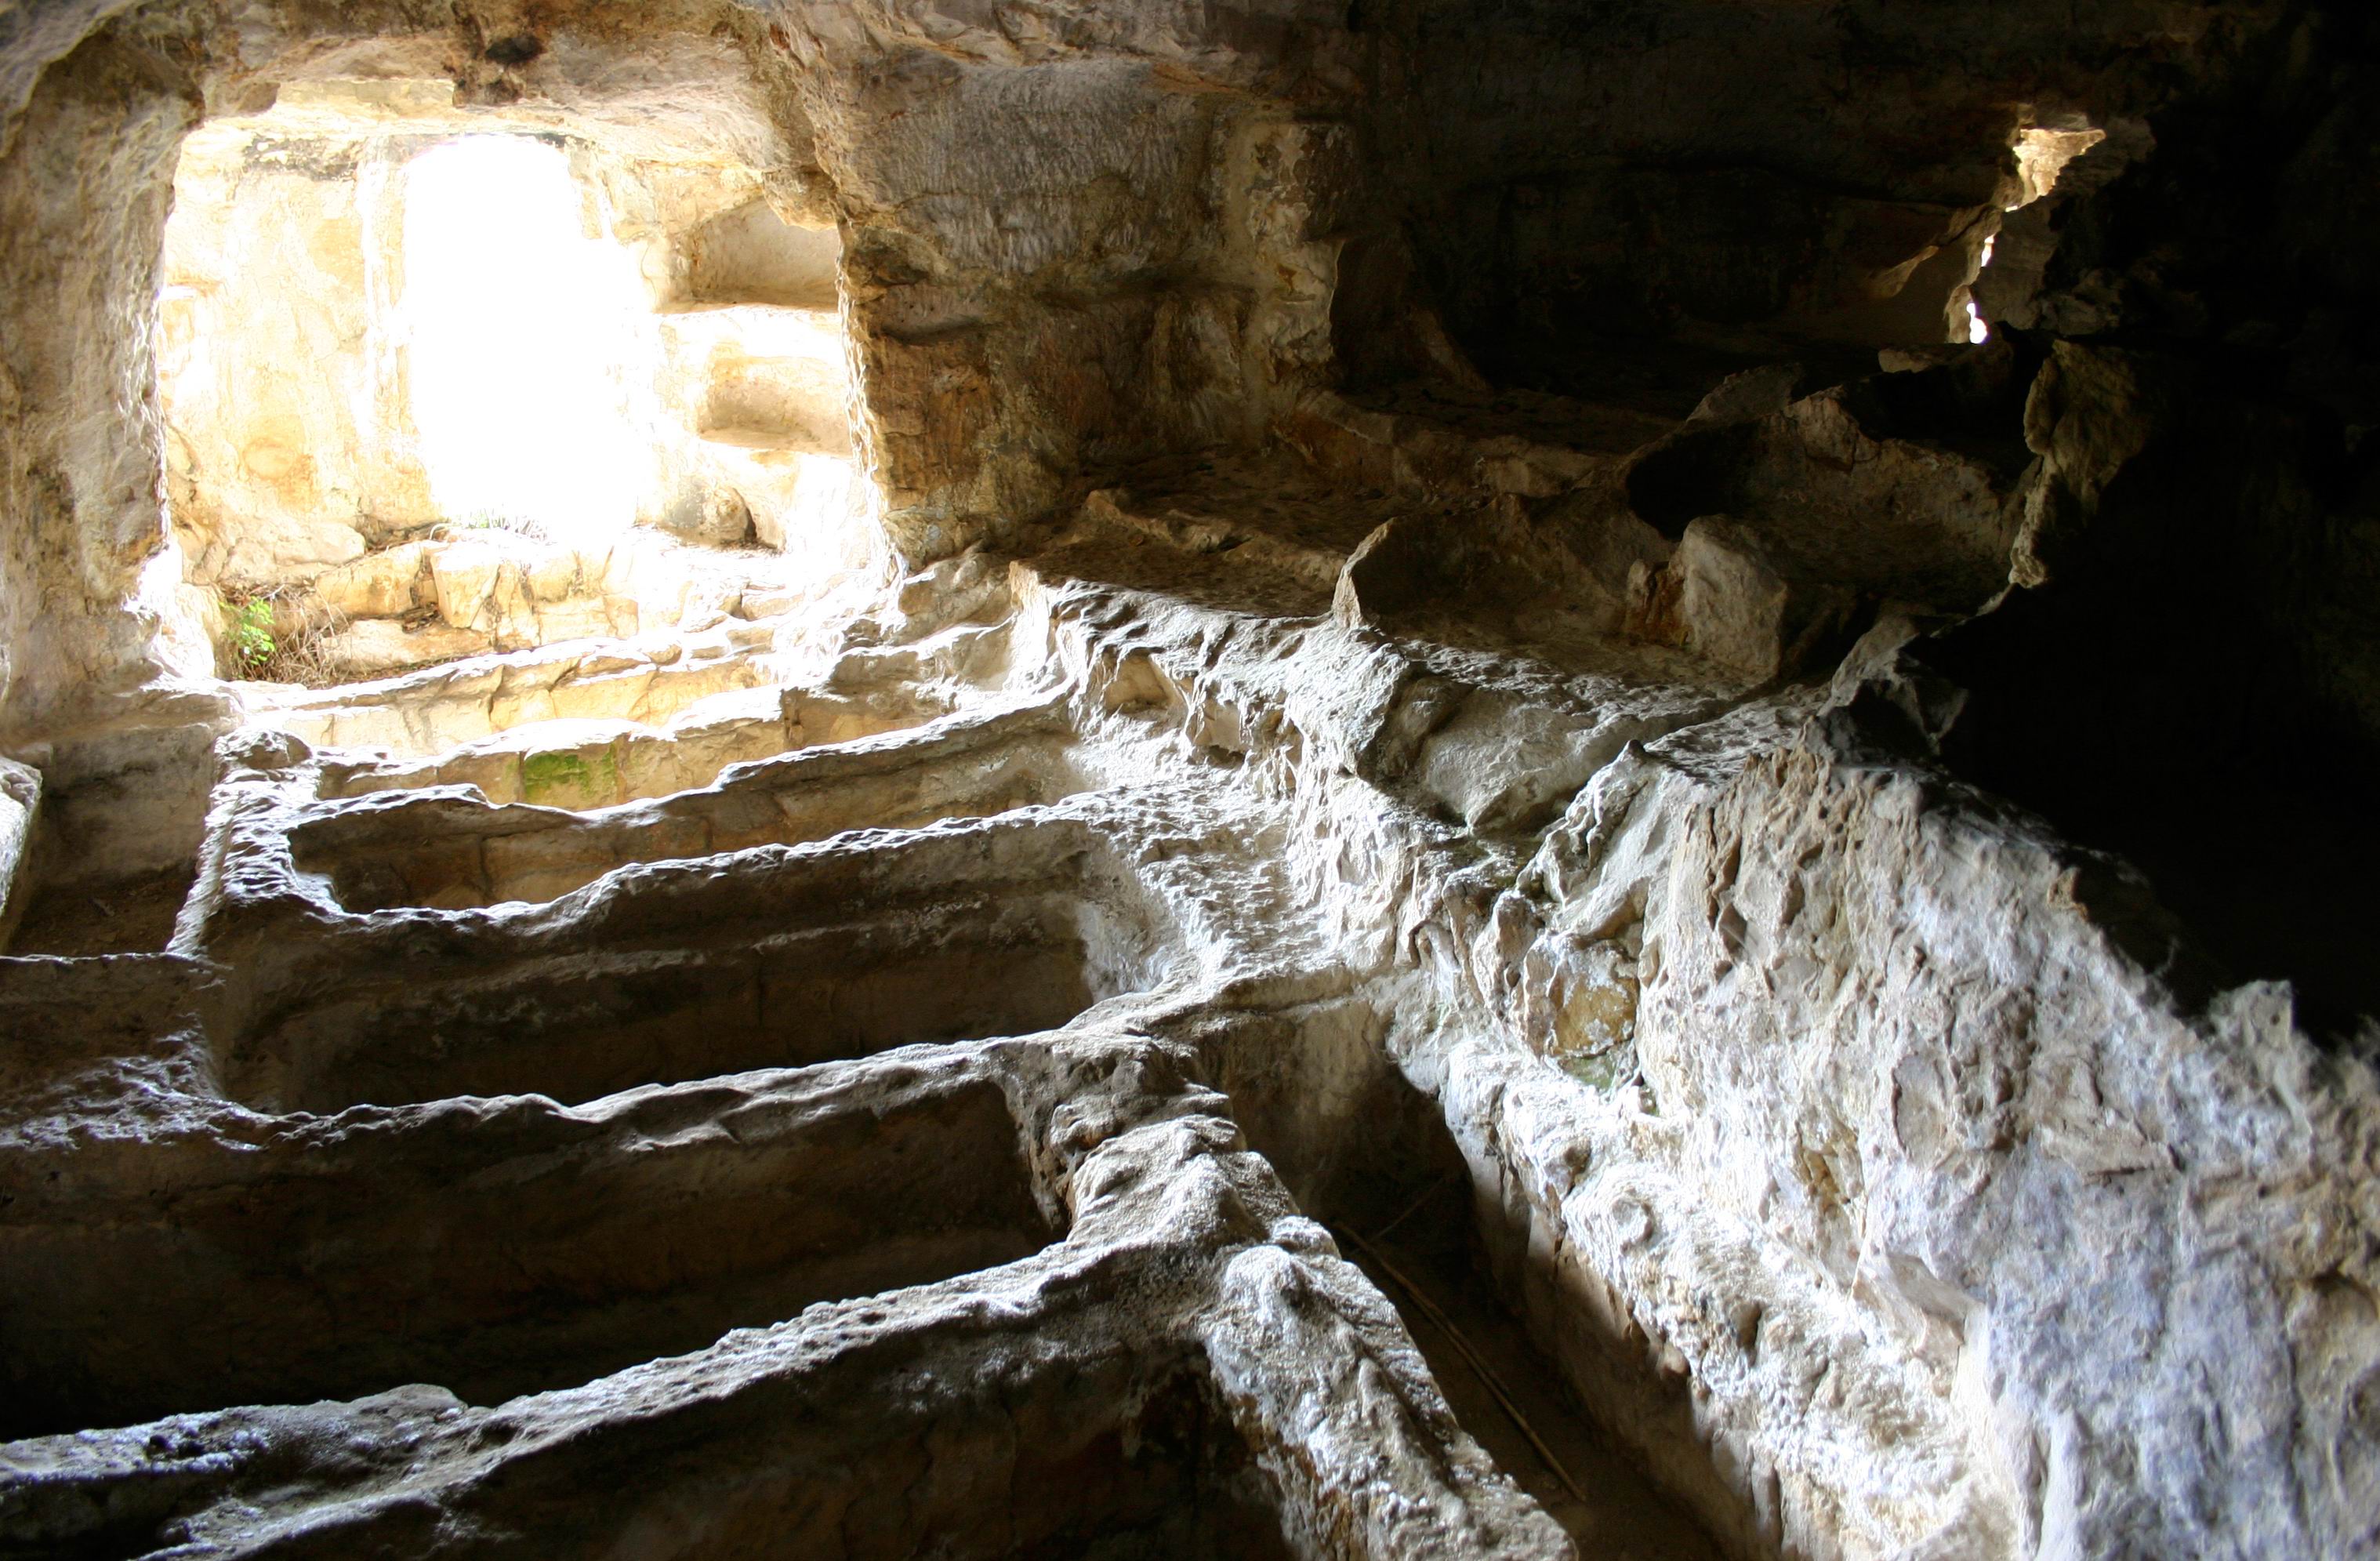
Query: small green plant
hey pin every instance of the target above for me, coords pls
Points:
(283, 635)
(251, 633)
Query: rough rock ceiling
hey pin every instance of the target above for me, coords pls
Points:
(1515, 867)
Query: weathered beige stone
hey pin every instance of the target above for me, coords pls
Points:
(513, 620)
(552, 578)
(617, 695)
(464, 576)
(496, 773)
(365, 727)
(369, 647)
(386, 584)
(441, 724)
(520, 708)
(1739, 609)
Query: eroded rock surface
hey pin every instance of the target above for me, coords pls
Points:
(1469, 842)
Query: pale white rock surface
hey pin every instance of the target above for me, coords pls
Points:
(1282, 812)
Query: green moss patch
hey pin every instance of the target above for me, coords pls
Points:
(571, 777)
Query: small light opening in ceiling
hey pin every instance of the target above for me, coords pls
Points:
(2042, 155)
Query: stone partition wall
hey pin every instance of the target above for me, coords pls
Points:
(288, 416)
(1500, 846)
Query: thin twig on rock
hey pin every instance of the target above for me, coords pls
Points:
(1477, 1363)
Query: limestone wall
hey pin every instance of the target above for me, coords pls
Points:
(289, 438)
(1075, 243)
(84, 184)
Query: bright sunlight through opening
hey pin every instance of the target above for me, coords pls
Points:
(519, 326)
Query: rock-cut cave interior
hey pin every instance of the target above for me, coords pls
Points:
(1129, 778)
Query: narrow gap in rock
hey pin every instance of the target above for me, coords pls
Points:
(1503, 1388)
